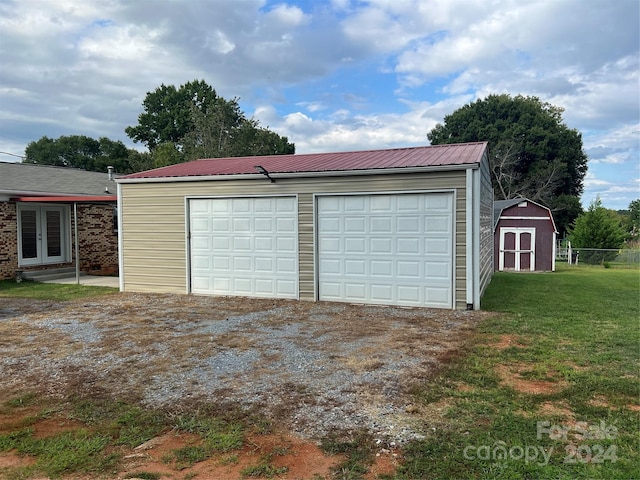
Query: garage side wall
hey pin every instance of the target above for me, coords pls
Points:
(154, 223)
(486, 225)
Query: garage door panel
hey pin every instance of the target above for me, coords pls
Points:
(407, 269)
(409, 224)
(403, 256)
(242, 264)
(221, 244)
(381, 204)
(355, 245)
(264, 264)
(437, 246)
(286, 244)
(245, 246)
(437, 270)
(354, 203)
(201, 261)
(330, 245)
(263, 225)
(329, 224)
(221, 263)
(381, 224)
(409, 294)
(200, 242)
(240, 205)
(201, 225)
(356, 291)
(381, 268)
(408, 203)
(286, 288)
(241, 244)
(285, 265)
(285, 225)
(438, 297)
(383, 246)
(355, 267)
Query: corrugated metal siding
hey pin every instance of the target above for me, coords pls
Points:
(153, 218)
(486, 225)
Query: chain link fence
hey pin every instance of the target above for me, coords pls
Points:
(624, 257)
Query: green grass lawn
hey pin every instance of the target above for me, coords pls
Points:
(548, 389)
(50, 291)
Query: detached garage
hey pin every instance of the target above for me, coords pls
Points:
(409, 226)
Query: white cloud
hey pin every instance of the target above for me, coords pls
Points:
(291, 16)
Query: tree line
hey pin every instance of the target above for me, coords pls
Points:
(532, 153)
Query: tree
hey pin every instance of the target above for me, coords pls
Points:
(597, 228)
(80, 151)
(532, 153)
(195, 122)
(634, 219)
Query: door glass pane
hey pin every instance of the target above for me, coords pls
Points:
(29, 234)
(54, 234)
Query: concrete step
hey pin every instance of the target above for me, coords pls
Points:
(51, 274)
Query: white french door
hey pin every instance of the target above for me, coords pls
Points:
(517, 249)
(42, 234)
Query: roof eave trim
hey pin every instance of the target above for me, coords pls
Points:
(67, 199)
(328, 173)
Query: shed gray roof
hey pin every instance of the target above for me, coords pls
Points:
(28, 179)
(500, 205)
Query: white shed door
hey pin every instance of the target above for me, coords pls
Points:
(386, 249)
(244, 246)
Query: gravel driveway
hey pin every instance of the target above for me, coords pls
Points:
(316, 367)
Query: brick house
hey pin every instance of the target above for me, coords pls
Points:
(41, 210)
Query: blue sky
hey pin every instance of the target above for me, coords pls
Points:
(332, 76)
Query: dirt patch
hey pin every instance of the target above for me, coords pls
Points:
(515, 376)
(508, 341)
(557, 409)
(300, 459)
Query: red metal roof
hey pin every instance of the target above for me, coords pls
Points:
(436, 155)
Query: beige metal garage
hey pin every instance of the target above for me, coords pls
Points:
(408, 226)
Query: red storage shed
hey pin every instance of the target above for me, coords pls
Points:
(524, 236)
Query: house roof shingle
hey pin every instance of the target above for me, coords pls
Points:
(19, 179)
(437, 155)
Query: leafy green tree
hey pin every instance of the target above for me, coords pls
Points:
(532, 152)
(598, 228)
(79, 151)
(200, 124)
(634, 218)
(166, 154)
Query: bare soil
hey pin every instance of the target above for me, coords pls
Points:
(312, 368)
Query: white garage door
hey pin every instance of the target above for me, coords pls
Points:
(244, 246)
(386, 249)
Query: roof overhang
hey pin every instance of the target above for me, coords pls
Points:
(327, 173)
(68, 199)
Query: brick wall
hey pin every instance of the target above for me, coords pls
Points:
(98, 241)
(8, 240)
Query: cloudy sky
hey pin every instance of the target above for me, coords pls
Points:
(331, 75)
